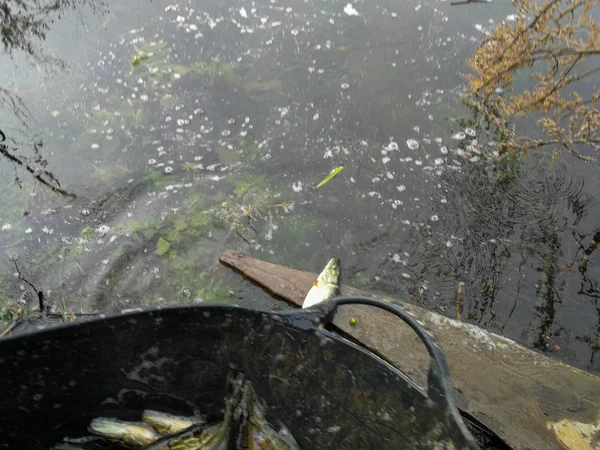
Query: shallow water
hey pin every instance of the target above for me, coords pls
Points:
(217, 136)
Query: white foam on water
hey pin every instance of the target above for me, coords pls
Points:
(412, 144)
(349, 10)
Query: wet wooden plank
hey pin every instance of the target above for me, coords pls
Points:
(531, 401)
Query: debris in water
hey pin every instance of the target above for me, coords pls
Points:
(330, 176)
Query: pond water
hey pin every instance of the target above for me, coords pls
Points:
(187, 128)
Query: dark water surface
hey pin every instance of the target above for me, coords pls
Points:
(217, 137)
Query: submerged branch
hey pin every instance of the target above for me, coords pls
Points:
(37, 174)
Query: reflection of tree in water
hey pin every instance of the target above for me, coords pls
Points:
(589, 286)
(35, 165)
(23, 26)
(24, 23)
(510, 219)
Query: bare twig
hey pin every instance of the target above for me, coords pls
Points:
(9, 329)
(466, 2)
(40, 294)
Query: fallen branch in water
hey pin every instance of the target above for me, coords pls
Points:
(11, 327)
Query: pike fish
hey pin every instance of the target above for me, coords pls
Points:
(326, 286)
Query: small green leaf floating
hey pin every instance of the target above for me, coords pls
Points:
(137, 59)
(330, 176)
(352, 322)
(162, 246)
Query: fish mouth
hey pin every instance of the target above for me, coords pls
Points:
(333, 264)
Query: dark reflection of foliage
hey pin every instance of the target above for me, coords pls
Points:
(23, 23)
(548, 291)
(589, 286)
(512, 209)
(23, 26)
(35, 165)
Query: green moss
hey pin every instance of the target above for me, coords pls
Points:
(247, 182)
(229, 156)
(87, 233)
(111, 176)
(218, 293)
(171, 235)
(170, 256)
(297, 228)
(157, 178)
(361, 279)
(162, 246)
(181, 225)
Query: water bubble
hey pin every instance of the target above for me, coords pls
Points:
(297, 186)
(103, 229)
(29, 230)
(444, 150)
(470, 132)
(294, 32)
(449, 244)
(406, 275)
(392, 146)
(350, 10)
(151, 161)
(344, 86)
(95, 146)
(225, 133)
(401, 188)
(186, 293)
(14, 256)
(434, 218)
(412, 144)
(438, 161)
(459, 136)
(6, 227)
(168, 169)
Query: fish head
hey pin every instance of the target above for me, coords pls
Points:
(331, 273)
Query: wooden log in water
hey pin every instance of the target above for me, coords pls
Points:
(529, 400)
